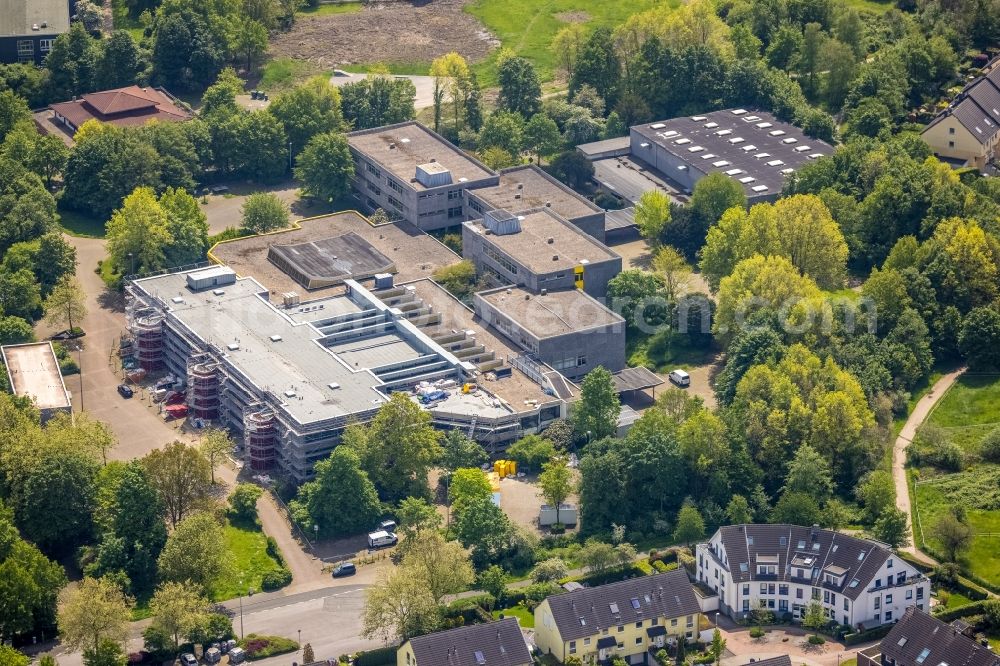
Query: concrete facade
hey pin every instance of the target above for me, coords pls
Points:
(526, 188)
(28, 28)
(415, 175)
(546, 252)
(567, 330)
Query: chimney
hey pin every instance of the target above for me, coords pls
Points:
(545, 292)
(550, 240)
(392, 146)
(548, 204)
(433, 160)
(555, 257)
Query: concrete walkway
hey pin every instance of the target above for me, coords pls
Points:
(920, 412)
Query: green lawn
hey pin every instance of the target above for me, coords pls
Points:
(978, 491)
(330, 8)
(123, 21)
(528, 26)
(649, 351)
(250, 561)
(871, 6)
(78, 224)
(972, 400)
(956, 600)
(282, 73)
(524, 616)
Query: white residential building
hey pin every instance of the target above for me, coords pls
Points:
(859, 582)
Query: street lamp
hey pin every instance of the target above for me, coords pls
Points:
(249, 594)
(716, 619)
(300, 639)
(131, 259)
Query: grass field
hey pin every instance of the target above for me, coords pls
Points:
(250, 561)
(78, 224)
(973, 400)
(123, 21)
(528, 26)
(524, 616)
(871, 6)
(330, 8)
(282, 73)
(983, 557)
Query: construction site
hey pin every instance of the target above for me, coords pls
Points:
(288, 377)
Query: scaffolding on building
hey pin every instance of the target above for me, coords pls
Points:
(203, 385)
(260, 436)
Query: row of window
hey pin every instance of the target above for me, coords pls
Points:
(571, 362)
(638, 625)
(500, 259)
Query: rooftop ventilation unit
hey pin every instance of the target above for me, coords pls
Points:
(749, 147)
(738, 112)
(759, 188)
(433, 174)
(777, 132)
(233, 346)
(698, 119)
(657, 126)
(789, 140)
(275, 338)
(501, 222)
(802, 149)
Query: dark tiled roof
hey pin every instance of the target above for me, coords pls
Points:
(125, 107)
(921, 640)
(977, 107)
(585, 612)
(492, 644)
(807, 548)
(783, 660)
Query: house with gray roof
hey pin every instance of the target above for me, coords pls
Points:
(967, 132)
(919, 639)
(628, 619)
(28, 28)
(784, 568)
(492, 644)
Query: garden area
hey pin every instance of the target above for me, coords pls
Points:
(956, 474)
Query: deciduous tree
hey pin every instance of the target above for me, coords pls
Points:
(215, 445)
(595, 416)
(177, 609)
(444, 566)
(325, 166)
(398, 607)
(195, 553)
(556, 481)
(93, 611)
(264, 212)
(181, 476)
(690, 526)
(652, 213)
(67, 303)
(341, 499)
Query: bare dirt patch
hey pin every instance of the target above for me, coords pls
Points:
(397, 32)
(573, 17)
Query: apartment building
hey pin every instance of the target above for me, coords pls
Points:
(491, 644)
(919, 639)
(784, 568)
(627, 619)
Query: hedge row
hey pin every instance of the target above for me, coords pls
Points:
(377, 657)
(949, 614)
(867, 635)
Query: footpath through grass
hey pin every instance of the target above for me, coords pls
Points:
(969, 411)
(528, 26)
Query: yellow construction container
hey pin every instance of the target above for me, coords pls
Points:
(499, 468)
(513, 467)
(508, 467)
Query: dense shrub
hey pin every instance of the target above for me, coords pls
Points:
(259, 647)
(378, 657)
(276, 579)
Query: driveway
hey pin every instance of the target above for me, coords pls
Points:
(920, 412)
(225, 210)
(778, 641)
(136, 425)
(423, 84)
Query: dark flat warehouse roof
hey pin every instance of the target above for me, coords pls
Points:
(321, 263)
(752, 147)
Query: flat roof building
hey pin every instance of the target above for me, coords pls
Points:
(415, 174)
(329, 248)
(567, 330)
(28, 28)
(538, 250)
(752, 147)
(33, 371)
(289, 378)
(525, 188)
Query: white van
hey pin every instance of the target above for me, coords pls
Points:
(381, 539)
(680, 378)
